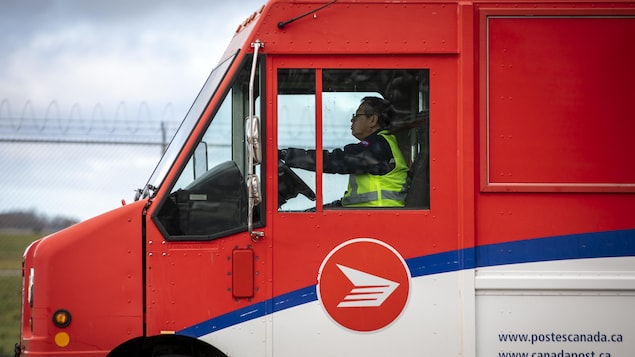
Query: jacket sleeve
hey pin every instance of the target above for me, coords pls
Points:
(368, 156)
(300, 158)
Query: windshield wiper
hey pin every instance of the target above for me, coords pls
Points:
(282, 24)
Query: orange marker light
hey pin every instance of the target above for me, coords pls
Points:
(61, 318)
(62, 339)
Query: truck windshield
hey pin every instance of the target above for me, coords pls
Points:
(181, 135)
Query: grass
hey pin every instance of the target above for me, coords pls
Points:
(10, 292)
(12, 246)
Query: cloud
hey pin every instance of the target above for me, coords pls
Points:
(84, 54)
(87, 51)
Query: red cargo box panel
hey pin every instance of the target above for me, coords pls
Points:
(559, 104)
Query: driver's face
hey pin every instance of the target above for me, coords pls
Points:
(363, 122)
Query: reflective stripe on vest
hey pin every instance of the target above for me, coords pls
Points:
(389, 190)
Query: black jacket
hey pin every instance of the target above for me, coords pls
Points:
(371, 155)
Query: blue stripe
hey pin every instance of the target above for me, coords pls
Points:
(577, 246)
(235, 317)
(279, 303)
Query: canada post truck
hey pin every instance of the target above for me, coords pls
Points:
(514, 233)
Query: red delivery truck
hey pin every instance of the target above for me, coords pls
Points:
(374, 178)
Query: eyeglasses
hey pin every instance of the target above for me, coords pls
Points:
(355, 116)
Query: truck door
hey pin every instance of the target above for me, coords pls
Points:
(364, 279)
(200, 259)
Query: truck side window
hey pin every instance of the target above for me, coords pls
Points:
(209, 198)
(296, 129)
(351, 161)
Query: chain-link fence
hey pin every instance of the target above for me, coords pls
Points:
(47, 186)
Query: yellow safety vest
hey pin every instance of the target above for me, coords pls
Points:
(388, 190)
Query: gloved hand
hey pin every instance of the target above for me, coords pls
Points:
(282, 154)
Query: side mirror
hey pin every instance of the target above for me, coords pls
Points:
(253, 186)
(252, 126)
(252, 133)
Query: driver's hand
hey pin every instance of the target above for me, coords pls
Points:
(282, 154)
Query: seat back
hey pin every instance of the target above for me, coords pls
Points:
(413, 137)
(418, 183)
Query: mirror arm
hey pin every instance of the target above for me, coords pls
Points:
(252, 129)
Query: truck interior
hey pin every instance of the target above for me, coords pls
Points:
(342, 90)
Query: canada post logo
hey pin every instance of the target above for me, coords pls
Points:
(363, 284)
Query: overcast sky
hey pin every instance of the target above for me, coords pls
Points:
(83, 54)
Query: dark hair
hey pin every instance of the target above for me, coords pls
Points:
(382, 108)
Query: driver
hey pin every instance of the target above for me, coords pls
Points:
(377, 170)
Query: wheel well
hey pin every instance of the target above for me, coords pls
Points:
(165, 346)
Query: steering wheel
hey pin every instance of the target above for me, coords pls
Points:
(290, 184)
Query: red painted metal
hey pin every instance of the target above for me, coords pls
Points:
(243, 273)
(93, 270)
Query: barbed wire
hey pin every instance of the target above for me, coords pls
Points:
(143, 129)
(75, 127)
